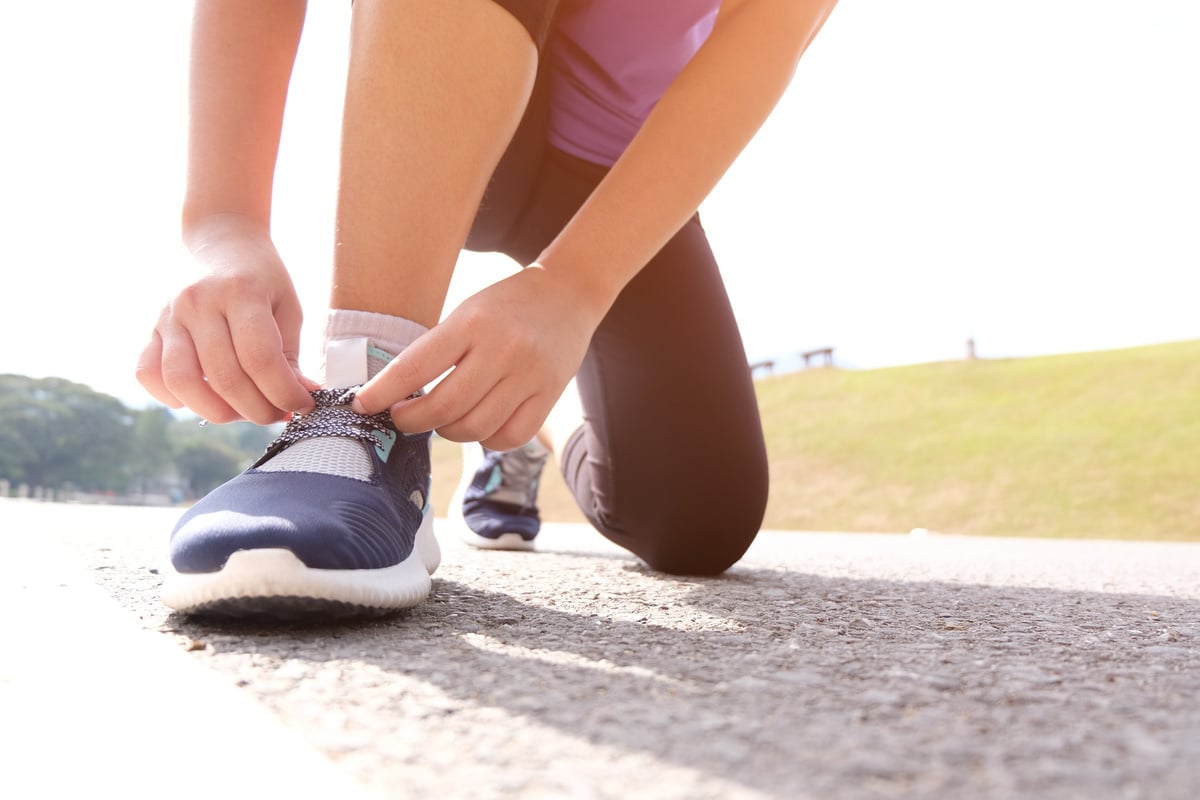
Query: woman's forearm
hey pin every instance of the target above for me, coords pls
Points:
(703, 121)
(241, 63)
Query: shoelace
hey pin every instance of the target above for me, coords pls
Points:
(332, 417)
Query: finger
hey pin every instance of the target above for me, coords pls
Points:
(489, 415)
(149, 372)
(450, 401)
(307, 382)
(184, 378)
(522, 425)
(409, 372)
(217, 353)
(290, 319)
(259, 348)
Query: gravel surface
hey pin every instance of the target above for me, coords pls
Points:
(823, 665)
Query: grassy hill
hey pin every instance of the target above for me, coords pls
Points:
(1100, 444)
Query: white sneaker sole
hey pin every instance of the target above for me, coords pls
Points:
(505, 541)
(273, 582)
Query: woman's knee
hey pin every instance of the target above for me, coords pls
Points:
(708, 545)
(698, 528)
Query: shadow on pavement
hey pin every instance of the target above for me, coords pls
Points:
(781, 682)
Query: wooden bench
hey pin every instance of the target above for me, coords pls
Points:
(822, 355)
(767, 367)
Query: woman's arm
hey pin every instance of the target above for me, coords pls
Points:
(703, 121)
(227, 346)
(241, 63)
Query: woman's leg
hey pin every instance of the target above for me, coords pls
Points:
(671, 462)
(435, 91)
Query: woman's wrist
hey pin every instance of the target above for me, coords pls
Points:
(202, 229)
(217, 239)
(591, 292)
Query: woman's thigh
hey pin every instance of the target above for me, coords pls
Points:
(535, 15)
(515, 177)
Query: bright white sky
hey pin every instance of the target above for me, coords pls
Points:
(1024, 172)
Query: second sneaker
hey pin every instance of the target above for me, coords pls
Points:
(498, 496)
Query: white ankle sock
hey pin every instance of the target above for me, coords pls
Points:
(386, 335)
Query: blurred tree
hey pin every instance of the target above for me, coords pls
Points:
(153, 460)
(205, 464)
(54, 432)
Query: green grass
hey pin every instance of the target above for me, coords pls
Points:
(1102, 445)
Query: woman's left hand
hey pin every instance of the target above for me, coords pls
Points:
(513, 348)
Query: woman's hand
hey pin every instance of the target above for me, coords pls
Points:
(227, 346)
(513, 348)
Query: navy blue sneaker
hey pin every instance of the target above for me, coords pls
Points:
(498, 496)
(333, 521)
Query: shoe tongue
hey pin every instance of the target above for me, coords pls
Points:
(330, 455)
(353, 361)
(349, 362)
(346, 362)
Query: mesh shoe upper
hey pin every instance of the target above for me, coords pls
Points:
(328, 521)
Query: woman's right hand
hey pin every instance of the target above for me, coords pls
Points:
(227, 346)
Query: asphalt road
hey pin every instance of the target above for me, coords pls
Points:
(823, 665)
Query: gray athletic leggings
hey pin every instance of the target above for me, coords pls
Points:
(671, 462)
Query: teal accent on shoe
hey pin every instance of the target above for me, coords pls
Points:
(494, 480)
(382, 355)
(386, 440)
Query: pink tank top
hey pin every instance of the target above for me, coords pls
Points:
(610, 62)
